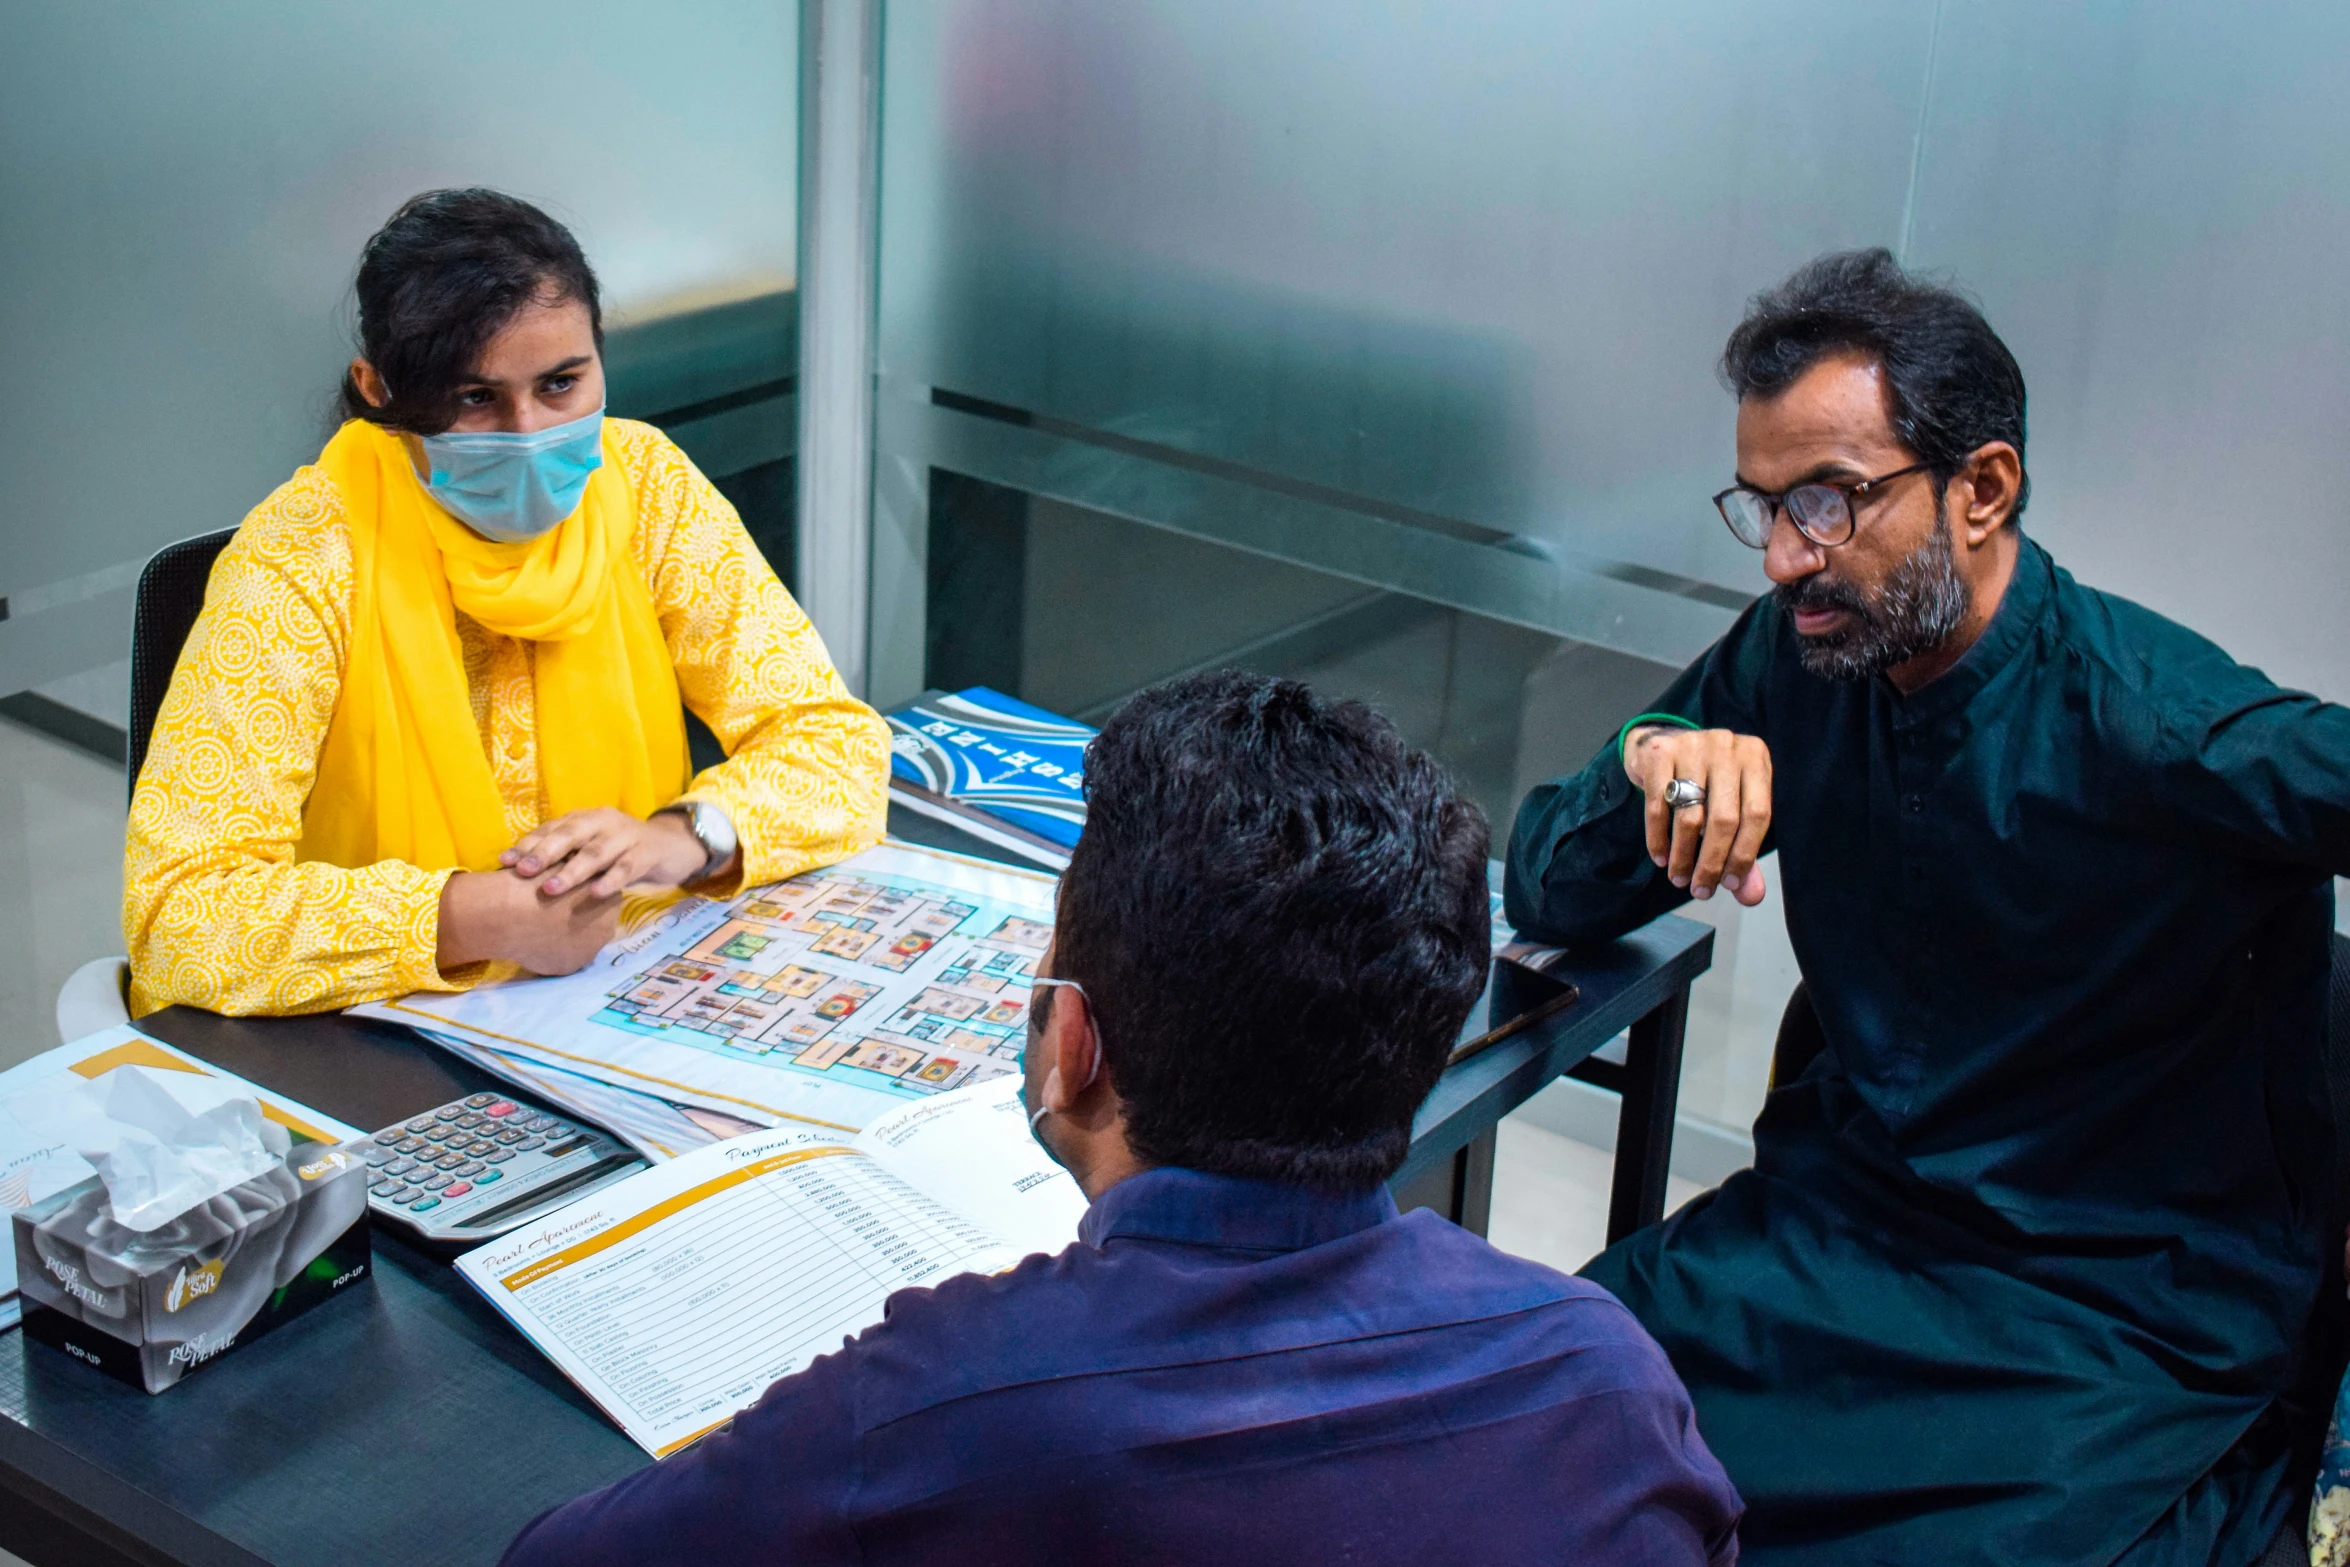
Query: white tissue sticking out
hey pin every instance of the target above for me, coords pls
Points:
(163, 1142)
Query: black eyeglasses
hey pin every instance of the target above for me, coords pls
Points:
(1820, 510)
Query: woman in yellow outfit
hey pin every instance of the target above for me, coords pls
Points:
(427, 727)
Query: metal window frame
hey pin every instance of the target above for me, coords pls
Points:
(840, 166)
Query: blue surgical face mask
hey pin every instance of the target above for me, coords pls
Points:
(512, 487)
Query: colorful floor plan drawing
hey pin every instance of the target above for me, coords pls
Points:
(830, 997)
(775, 976)
(779, 975)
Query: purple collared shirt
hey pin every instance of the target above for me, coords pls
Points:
(1221, 1370)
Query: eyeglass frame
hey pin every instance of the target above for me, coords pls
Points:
(1849, 493)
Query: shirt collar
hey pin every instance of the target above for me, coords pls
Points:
(2029, 591)
(1195, 1207)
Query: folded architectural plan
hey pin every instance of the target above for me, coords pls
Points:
(825, 1000)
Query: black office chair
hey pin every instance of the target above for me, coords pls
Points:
(1801, 1039)
(171, 592)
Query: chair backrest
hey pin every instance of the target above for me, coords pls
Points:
(171, 593)
(2326, 1349)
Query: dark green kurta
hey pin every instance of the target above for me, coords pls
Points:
(2035, 1241)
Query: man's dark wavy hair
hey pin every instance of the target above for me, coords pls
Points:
(1953, 385)
(1279, 912)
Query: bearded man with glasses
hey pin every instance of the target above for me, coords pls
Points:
(2026, 1267)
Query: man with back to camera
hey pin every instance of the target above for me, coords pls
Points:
(1268, 938)
(2024, 1267)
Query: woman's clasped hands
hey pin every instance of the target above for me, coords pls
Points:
(555, 901)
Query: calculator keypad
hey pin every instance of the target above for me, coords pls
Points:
(469, 1149)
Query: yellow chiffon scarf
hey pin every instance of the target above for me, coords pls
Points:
(403, 775)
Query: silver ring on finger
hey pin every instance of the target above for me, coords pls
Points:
(1684, 792)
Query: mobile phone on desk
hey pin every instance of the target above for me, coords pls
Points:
(1517, 996)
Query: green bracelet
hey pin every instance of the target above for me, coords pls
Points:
(1624, 735)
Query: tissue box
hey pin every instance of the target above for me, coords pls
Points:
(151, 1307)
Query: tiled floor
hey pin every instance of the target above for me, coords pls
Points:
(61, 825)
(1550, 1196)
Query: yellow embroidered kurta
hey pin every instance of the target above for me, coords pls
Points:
(217, 911)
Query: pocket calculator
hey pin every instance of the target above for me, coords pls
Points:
(479, 1166)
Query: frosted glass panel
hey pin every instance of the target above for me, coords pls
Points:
(1398, 325)
(187, 188)
(1466, 267)
(1474, 259)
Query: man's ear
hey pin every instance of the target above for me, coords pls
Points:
(1992, 478)
(1073, 1047)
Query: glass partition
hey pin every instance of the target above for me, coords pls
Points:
(1462, 270)
(188, 189)
(1377, 345)
(1371, 348)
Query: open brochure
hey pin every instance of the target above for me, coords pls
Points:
(675, 1297)
(36, 1160)
(828, 1000)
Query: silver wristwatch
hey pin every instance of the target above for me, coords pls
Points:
(711, 829)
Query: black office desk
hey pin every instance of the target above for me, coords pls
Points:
(1640, 984)
(408, 1423)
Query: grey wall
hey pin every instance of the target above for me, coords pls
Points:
(186, 188)
(1469, 264)
(2154, 202)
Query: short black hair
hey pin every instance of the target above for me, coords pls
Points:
(1954, 386)
(440, 279)
(1279, 912)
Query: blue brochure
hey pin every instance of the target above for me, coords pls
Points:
(989, 753)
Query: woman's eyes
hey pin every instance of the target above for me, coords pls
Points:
(484, 397)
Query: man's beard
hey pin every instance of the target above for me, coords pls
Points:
(1920, 604)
